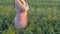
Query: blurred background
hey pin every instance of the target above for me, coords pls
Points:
(43, 17)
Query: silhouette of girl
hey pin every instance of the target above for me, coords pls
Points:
(21, 18)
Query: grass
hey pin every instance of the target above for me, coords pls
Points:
(43, 17)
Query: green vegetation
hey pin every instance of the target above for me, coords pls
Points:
(43, 17)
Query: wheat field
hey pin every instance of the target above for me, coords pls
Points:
(43, 17)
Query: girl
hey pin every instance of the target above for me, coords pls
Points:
(21, 18)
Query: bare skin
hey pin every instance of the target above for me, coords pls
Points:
(21, 18)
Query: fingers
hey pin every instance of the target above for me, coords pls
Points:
(21, 2)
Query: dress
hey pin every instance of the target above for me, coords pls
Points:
(21, 18)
